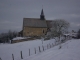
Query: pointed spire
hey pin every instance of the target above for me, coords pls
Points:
(42, 17)
(42, 13)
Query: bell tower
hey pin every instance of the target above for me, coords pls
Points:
(42, 17)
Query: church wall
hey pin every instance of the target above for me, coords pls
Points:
(31, 31)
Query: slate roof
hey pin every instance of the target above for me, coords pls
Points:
(34, 22)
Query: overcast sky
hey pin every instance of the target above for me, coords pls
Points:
(12, 12)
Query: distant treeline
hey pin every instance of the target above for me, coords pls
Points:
(6, 37)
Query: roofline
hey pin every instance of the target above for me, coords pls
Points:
(34, 27)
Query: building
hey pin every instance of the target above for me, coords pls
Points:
(35, 26)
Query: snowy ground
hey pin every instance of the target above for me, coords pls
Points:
(18, 38)
(6, 50)
(70, 50)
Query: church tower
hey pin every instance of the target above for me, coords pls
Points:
(42, 17)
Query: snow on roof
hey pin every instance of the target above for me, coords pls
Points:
(18, 38)
(67, 34)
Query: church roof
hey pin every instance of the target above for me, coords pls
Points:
(34, 22)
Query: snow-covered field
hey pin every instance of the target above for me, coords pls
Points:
(6, 50)
(70, 50)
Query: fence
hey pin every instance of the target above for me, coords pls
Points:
(40, 49)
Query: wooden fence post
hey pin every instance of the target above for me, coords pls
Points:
(35, 50)
(39, 49)
(47, 46)
(12, 56)
(43, 48)
(0, 58)
(29, 52)
(52, 44)
(21, 55)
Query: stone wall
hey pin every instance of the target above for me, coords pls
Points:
(31, 31)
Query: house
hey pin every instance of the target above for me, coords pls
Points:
(35, 26)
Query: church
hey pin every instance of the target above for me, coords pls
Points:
(36, 26)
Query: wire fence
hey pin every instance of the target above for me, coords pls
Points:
(37, 50)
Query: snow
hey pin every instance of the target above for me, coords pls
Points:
(70, 50)
(6, 50)
(18, 38)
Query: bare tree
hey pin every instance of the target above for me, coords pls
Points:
(59, 26)
(6, 37)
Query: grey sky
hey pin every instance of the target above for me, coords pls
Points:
(12, 12)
